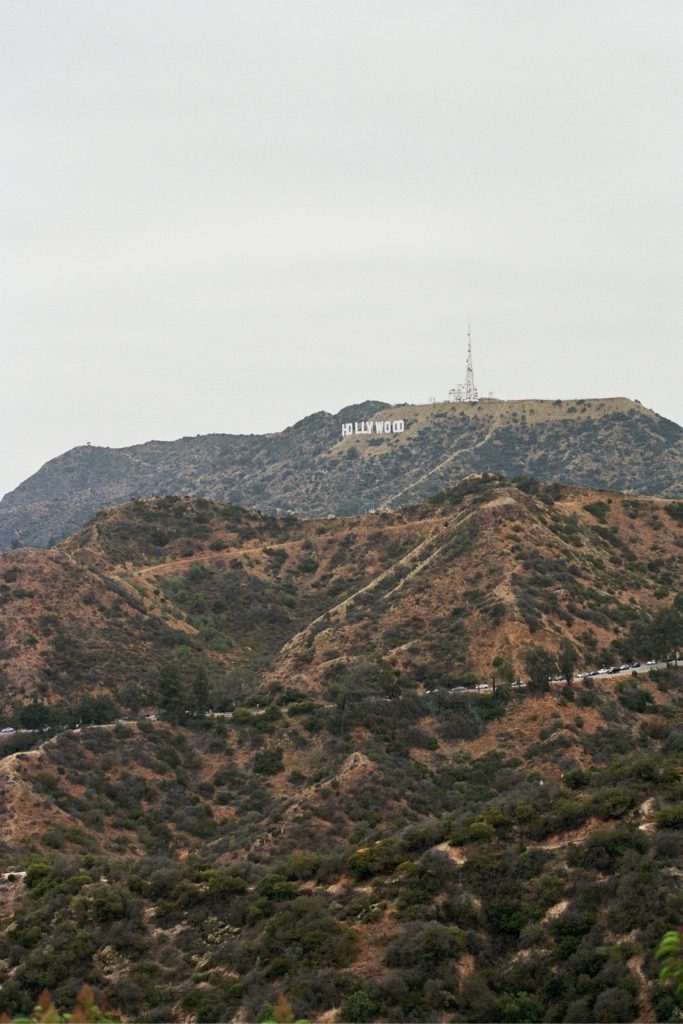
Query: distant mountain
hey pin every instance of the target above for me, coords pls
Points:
(310, 469)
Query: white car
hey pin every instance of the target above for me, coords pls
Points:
(7, 730)
(650, 662)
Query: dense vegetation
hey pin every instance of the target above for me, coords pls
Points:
(358, 855)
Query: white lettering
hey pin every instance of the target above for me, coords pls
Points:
(373, 427)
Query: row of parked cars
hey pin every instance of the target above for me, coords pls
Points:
(518, 684)
(479, 688)
(613, 670)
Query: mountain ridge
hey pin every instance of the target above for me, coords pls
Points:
(309, 469)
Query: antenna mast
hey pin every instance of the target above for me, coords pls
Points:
(470, 392)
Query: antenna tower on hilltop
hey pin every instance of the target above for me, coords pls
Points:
(466, 392)
(470, 393)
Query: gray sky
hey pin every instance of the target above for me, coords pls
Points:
(222, 216)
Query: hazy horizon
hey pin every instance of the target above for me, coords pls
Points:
(221, 219)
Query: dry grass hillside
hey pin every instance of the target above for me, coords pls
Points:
(308, 469)
(434, 591)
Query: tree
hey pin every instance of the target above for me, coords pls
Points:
(359, 1008)
(540, 665)
(666, 633)
(200, 693)
(132, 697)
(284, 1014)
(96, 710)
(171, 692)
(567, 659)
(36, 716)
(501, 670)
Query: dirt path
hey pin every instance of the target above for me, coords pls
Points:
(375, 581)
(570, 838)
(645, 1011)
(151, 570)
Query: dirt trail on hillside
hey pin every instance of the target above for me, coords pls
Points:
(190, 560)
(645, 1010)
(405, 560)
(571, 838)
(150, 570)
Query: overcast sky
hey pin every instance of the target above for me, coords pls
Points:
(222, 215)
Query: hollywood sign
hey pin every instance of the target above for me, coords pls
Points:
(373, 427)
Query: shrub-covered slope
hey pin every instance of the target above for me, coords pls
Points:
(435, 592)
(310, 470)
(315, 816)
(432, 857)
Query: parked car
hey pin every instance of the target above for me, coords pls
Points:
(7, 730)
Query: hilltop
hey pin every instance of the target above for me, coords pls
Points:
(310, 470)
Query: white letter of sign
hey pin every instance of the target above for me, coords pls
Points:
(347, 428)
(398, 426)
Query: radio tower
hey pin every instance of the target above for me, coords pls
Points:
(470, 393)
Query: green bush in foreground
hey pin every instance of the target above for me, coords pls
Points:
(671, 952)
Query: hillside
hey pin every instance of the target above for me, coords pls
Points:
(340, 828)
(436, 590)
(310, 470)
(510, 858)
